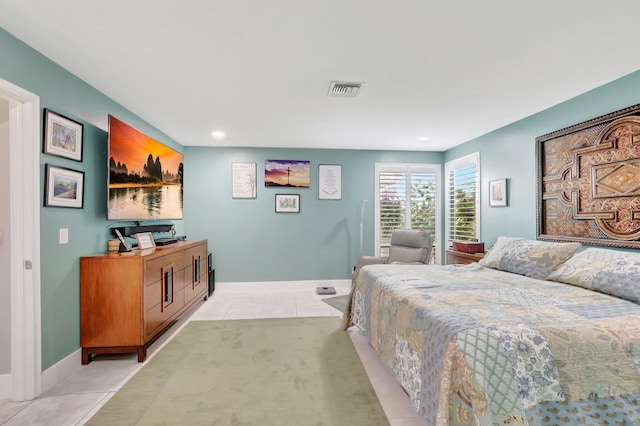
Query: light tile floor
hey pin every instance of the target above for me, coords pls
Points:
(78, 397)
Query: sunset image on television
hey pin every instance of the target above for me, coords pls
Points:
(145, 176)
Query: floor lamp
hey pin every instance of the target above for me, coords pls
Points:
(362, 225)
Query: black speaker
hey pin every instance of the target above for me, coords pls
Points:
(128, 231)
(212, 275)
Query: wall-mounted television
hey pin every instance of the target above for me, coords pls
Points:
(145, 176)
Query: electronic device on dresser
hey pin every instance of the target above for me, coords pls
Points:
(124, 246)
(165, 241)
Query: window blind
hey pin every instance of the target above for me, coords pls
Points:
(462, 195)
(406, 198)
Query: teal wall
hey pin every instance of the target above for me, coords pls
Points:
(88, 234)
(509, 153)
(250, 242)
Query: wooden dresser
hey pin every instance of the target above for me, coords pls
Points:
(459, 257)
(127, 300)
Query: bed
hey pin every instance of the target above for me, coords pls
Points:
(537, 333)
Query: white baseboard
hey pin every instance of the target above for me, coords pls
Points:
(60, 370)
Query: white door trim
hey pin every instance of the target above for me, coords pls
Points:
(24, 160)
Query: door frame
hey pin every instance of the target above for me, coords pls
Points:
(24, 199)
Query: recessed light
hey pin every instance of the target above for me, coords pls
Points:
(423, 138)
(217, 134)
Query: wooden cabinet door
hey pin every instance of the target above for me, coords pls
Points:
(196, 279)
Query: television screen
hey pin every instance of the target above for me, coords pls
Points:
(145, 176)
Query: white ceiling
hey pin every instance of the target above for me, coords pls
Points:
(260, 69)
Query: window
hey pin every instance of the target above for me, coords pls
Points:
(462, 209)
(406, 197)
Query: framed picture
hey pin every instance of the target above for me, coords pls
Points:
(329, 182)
(63, 187)
(287, 203)
(498, 193)
(244, 182)
(62, 136)
(287, 173)
(145, 240)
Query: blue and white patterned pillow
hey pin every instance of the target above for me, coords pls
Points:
(609, 271)
(535, 259)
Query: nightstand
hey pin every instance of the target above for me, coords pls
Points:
(460, 257)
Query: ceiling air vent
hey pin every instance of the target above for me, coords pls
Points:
(342, 89)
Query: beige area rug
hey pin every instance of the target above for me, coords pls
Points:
(284, 371)
(338, 302)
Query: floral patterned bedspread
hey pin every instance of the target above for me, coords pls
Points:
(477, 346)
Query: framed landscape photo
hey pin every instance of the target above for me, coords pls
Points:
(287, 173)
(287, 203)
(62, 136)
(498, 193)
(63, 187)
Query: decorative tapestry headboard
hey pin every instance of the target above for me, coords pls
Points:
(588, 181)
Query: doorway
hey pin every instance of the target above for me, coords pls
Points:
(20, 233)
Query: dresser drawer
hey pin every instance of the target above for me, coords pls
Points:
(154, 268)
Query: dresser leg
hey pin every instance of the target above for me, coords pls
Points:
(86, 356)
(142, 354)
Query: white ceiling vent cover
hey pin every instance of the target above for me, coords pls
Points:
(343, 89)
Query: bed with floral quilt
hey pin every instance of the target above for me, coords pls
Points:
(537, 333)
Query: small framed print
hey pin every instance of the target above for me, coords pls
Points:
(63, 187)
(329, 182)
(62, 136)
(287, 203)
(145, 240)
(498, 193)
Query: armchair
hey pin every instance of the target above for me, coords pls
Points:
(412, 246)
